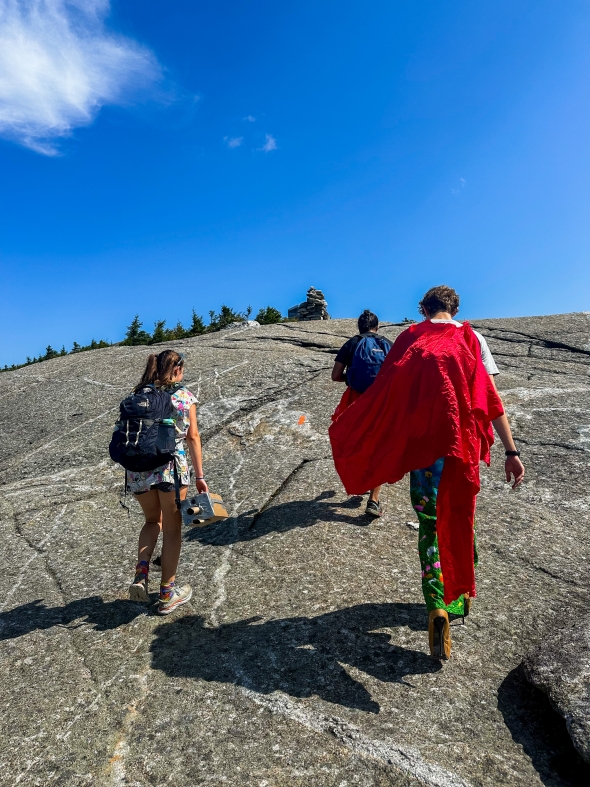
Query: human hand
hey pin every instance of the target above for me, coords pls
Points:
(201, 485)
(514, 467)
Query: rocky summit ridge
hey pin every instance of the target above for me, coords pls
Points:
(302, 658)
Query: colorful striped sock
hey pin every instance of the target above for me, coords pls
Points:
(166, 591)
(141, 571)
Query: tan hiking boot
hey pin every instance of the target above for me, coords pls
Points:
(439, 634)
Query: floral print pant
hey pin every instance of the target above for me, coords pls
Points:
(423, 491)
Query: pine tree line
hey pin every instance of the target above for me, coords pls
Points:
(137, 336)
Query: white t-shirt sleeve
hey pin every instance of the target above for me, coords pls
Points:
(486, 355)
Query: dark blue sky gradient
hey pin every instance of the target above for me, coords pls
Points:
(417, 143)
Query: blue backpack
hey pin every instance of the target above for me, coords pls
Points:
(369, 354)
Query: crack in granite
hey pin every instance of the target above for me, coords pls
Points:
(283, 485)
(531, 339)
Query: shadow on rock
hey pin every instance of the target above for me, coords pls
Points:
(280, 519)
(299, 656)
(541, 732)
(94, 611)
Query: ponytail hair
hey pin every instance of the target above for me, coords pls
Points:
(159, 369)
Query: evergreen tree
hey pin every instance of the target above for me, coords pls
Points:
(226, 316)
(75, 348)
(135, 335)
(179, 332)
(160, 334)
(50, 353)
(29, 360)
(269, 316)
(63, 350)
(197, 325)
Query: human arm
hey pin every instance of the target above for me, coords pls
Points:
(344, 359)
(513, 466)
(193, 440)
(338, 372)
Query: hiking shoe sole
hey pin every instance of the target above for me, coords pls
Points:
(138, 592)
(179, 598)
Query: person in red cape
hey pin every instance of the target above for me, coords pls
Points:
(429, 412)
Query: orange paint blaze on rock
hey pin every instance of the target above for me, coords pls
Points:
(301, 420)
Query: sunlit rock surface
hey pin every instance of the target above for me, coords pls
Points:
(560, 666)
(302, 658)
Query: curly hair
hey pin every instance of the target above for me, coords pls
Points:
(439, 299)
(159, 369)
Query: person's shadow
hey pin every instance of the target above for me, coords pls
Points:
(279, 519)
(300, 656)
(85, 611)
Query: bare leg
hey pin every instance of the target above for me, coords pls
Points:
(171, 526)
(375, 494)
(148, 537)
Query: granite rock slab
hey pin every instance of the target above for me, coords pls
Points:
(302, 658)
(560, 667)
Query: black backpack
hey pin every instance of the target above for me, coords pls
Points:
(144, 435)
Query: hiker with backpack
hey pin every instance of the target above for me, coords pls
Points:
(149, 441)
(357, 364)
(434, 402)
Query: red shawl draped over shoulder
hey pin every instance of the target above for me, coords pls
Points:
(432, 398)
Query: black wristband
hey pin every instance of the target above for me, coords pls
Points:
(199, 478)
(512, 453)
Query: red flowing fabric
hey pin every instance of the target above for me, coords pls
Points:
(432, 398)
(348, 397)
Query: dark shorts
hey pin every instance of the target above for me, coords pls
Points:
(164, 486)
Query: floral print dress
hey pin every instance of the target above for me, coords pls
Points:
(142, 481)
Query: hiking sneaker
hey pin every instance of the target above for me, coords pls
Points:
(374, 508)
(138, 590)
(178, 597)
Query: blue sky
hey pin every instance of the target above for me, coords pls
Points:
(159, 156)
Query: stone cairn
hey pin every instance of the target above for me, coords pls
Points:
(314, 308)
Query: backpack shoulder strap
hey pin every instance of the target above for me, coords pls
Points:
(356, 340)
(176, 484)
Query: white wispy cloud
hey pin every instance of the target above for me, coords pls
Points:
(233, 142)
(59, 65)
(270, 144)
(250, 118)
(462, 184)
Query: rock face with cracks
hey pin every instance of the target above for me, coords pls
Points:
(560, 666)
(302, 658)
